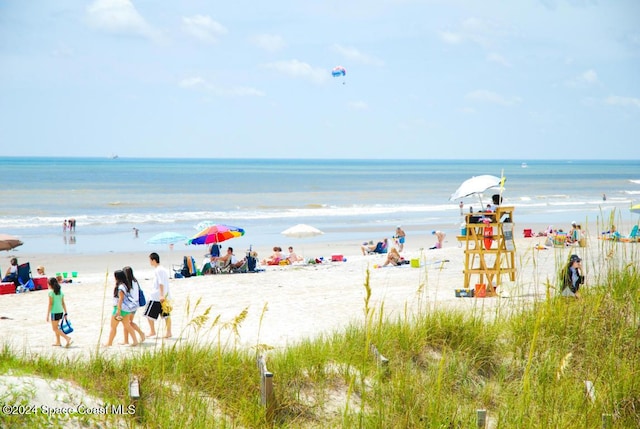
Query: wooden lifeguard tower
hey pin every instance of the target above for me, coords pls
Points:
(489, 248)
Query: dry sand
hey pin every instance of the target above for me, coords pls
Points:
(284, 304)
(299, 301)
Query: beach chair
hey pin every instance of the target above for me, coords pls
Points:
(25, 281)
(187, 269)
(244, 268)
(226, 267)
(528, 233)
(633, 236)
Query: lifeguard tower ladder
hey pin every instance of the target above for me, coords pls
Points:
(489, 248)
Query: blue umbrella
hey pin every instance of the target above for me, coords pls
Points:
(167, 238)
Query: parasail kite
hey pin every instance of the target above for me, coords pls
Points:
(338, 71)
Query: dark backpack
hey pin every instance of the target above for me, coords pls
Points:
(142, 300)
(251, 263)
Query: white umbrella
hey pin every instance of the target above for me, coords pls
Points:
(476, 185)
(301, 230)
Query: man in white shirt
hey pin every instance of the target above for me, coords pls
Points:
(159, 293)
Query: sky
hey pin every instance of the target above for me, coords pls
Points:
(425, 79)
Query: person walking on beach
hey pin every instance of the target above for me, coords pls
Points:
(159, 293)
(134, 297)
(571, 277)
(400, 238)
(122, 307)
(56, 311)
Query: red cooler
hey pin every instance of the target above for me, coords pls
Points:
(41, 283)
(7, 288)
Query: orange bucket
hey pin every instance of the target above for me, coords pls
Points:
(481, 290)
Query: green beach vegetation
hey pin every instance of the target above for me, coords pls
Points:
(529, 367)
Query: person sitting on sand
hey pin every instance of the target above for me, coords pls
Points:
(40, 271)
(379, 247)
(293, 256)
(12, 272)
(440, 236)
(62, 280)
(393, 258)
(230, 261)
(612, 234)
(275, 258)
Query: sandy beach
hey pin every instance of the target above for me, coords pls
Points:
(284, 304)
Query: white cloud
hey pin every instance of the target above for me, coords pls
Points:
(268, 42)
(119, 17)
(586, 78)
(192, 82)
(451, 37)
(590, 76)
(358, 105)
(203, 28)
(299, 69)
(483, 95)
(616, 100)
(479, 31)
(499, 59)
(354, 55)
(198, 83)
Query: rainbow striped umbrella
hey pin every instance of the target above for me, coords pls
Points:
(216, 234)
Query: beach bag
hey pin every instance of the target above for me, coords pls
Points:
(142, 300)
(251, 263)
(65, 325)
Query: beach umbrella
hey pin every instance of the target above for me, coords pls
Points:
(167, 238)
(301, 230)
(8, 242)
(477, 185)
(216, 234)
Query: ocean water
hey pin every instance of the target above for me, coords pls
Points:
(347, 199)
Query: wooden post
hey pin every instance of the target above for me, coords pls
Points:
(590, 391)
(134, 394)
(267, 396)
(482, 418)
(383, 362)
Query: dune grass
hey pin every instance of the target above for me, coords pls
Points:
(527, 367)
